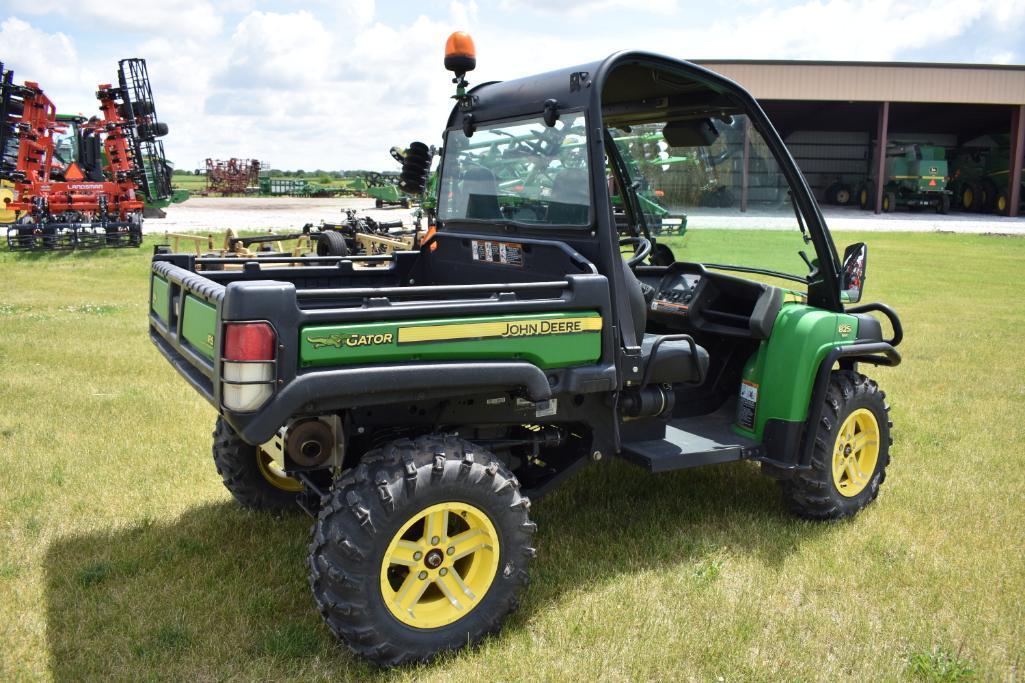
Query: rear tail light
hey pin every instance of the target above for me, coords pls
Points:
(248, 363)
(249, 341)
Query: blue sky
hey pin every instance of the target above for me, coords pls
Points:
(335, 83)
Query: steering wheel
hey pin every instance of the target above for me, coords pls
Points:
(642, 247)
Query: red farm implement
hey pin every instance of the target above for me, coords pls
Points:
(232, 176)
(82, 183)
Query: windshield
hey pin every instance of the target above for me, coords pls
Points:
(715, 198)
(65, 148)
(522, 172)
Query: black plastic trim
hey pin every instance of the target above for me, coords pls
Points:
(199, 381)
(876, 353)
(328, 390)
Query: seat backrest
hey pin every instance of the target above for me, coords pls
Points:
(638, 307)
(481, 190)
(570, 203)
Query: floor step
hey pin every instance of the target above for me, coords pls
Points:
(690, 442)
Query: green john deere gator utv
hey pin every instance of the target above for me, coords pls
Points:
(416, 402)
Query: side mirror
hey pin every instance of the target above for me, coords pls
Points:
(854, 257)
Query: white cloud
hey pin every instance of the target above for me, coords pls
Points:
(839, 29)
(173, 18)
(51, 60)
(329, 84)
(586, 8)
(282, 51)
(35, 49)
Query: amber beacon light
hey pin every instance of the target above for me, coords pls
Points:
(460, 54)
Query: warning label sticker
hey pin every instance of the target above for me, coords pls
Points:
(747, 406)
(506, 253)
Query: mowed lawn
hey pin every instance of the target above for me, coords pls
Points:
(122, 557)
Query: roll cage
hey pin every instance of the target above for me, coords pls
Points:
(602, 91)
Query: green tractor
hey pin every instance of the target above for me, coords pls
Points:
(417, 408)
(980, 179)
(914, 175)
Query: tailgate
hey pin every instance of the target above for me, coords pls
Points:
(183, 322)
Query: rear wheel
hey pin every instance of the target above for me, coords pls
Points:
(250, 474)
(851, 452)
(988, 195)
(422, 548)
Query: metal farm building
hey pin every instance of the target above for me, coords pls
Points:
(837, 117)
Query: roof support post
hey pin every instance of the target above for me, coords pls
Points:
(744, 168)
(1017, 149)
(881, 132)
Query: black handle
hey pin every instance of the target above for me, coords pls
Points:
(898, 330)
(672, 337)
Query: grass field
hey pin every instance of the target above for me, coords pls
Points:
(122, 557)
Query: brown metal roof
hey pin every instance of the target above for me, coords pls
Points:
(876, 81)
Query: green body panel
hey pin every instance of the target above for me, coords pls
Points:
(477, 338)
(785, 365)
(993, 163)
(199, 325)
(917, 169)
(295, 187)
(160, 302)
(177, 196)
(386, 193)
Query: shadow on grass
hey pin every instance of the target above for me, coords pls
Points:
(221, 592)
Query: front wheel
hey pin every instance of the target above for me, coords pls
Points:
(332, 243)
(422, 548)
(866, 195)
(852, 450)
(1002, 204)
(889, 202)
(842, 195)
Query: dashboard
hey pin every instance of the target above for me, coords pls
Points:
(687, 296)
(675, 293)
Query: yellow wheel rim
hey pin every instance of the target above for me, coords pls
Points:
(855, 452)
(1001, 204)
(967, 198)
(843, 196)
(6, 197)
(439, 565)
(886, 203)
(864, 197)
(274, 475)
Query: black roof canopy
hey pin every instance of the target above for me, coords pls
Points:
(621, 77)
